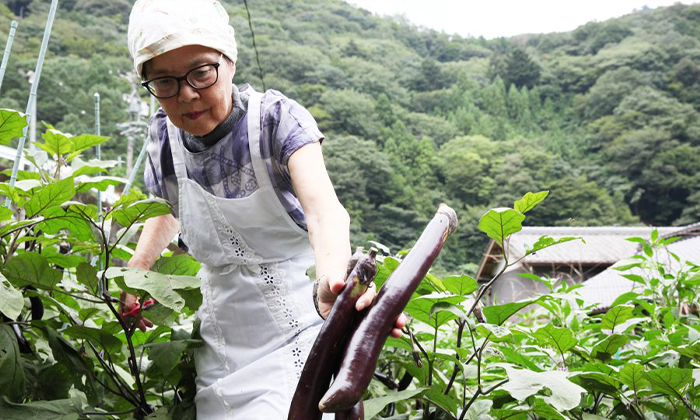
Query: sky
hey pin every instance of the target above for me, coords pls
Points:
(496, 18)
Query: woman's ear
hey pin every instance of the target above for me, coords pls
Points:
(233, 70)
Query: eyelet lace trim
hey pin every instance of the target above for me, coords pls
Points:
(236, 249)
(275, 288)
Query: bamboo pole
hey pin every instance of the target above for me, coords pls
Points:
(32, 93)
(8, 48)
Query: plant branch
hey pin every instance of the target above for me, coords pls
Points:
(477, 394)
(487, 286)
(457, 367)
(115, 378)
(132, 354)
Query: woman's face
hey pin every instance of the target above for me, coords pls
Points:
(197, 112)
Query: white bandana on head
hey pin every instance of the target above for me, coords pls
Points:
(159, 26)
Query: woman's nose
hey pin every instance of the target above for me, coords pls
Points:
(187, 92)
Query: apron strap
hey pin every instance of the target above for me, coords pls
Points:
(177, 151)
(254, 123)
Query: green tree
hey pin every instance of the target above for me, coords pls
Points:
(521, 70)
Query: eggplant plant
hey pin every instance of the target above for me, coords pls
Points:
(548, 357)
(65, 352)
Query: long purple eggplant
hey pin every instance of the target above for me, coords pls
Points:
(324, 357)
(367, 340)
(357, 412)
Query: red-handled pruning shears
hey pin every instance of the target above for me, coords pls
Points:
(143, 306)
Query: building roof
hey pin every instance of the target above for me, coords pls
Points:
(603, 245)
(604, 288)
(600, 246)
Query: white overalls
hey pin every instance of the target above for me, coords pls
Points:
(257, 317)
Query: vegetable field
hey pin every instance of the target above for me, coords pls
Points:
(66, 354)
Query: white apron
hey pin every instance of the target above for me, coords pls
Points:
(258, 321)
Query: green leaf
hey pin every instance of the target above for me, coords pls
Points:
(635, 278)
(87, 274)
(86, 141)
(91, 167)
(616, 316)
(529, 201)
(497, 333)
(524, 383)
(52, 382)
(605, 349)
(166, 355)
(421, 308)
(139, 211)
(181, 265)
(13, 226)
(461, 286)
(55, 143)
(160, 286)
(480, 410)
(31, 269)
(374, 406)
(624, 298)
(597, 381)
(545, 242)
(53, 256)
(22, 175)
(5, 214)
(500, 223)
(68, 409)
(562, 339)
(49, 196)
(79, 367)
(436, 396)
(632, 375)
(519, 358)
(105, 339)
(545, 411)
(12, 377)
(86, 183)
(690, 350)
(446, 307)
(498, 314)
(11, 299)
(57, 219)
(12, 124)
(670, 381)
(162, 315)
(12, 193)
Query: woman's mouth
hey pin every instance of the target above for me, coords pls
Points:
(194, 115)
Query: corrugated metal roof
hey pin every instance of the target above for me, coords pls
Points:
(603, 245)
(605, 287)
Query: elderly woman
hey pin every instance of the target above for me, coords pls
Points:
(252, 201)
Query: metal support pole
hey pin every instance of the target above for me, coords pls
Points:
(8, 48)
(139, 160)
(32, 93)
(142, 153)
(98, 151)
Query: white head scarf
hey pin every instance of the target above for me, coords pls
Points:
(159, 26)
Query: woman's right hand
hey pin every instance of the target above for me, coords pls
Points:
(127, 302)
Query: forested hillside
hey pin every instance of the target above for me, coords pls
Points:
(605, 117)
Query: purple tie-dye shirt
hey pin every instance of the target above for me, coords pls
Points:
(225, 169)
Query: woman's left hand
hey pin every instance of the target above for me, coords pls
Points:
(328, 291)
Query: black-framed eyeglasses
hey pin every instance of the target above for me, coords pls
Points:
(200, 77)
